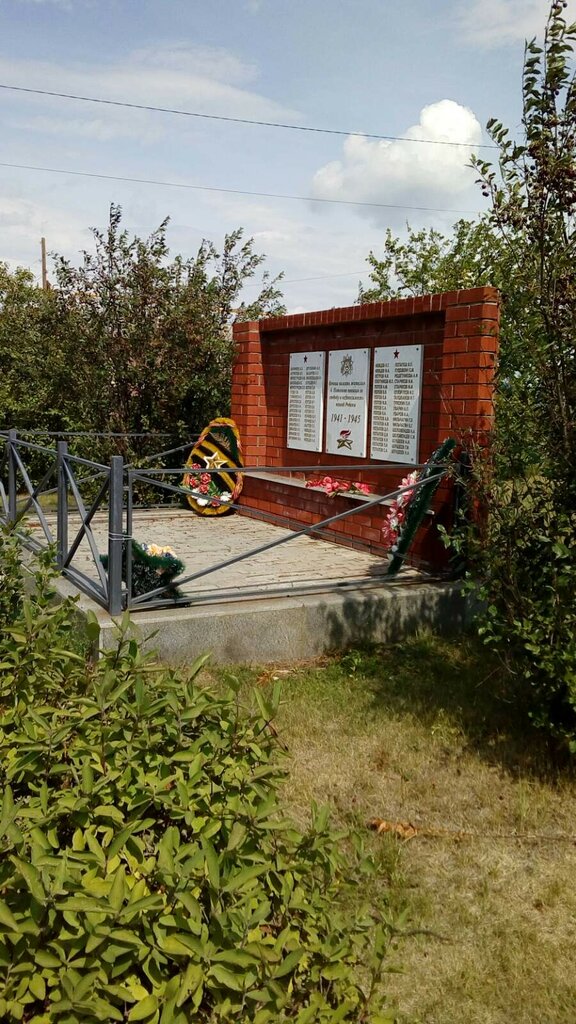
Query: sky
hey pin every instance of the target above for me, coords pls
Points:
(433, 70)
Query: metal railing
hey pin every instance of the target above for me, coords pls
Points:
(114, 499)
(20, 498)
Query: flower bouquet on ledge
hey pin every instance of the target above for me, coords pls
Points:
(332, 487)
(152, 567)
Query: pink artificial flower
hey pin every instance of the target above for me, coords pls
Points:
(203, 488)
(397, 513)
(332, 486)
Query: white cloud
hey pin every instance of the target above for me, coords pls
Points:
(201, 79)
(322, 259)
(406, 173)
(57, 3)
(494, 23)
(98, 129)
(204, 61)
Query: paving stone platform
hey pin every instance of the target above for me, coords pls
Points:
(295, 601)
(201, 543)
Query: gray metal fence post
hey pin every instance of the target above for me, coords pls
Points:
(62, 506)
(12, 508)
(115, 536)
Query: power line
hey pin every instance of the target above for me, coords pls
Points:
(322, 276)
(237, 120)
(229, 191)
(325, 277)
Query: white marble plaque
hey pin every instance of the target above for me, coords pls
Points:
(396, 400)
(306, 401)
(347, 405)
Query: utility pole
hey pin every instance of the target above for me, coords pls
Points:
(44, 271)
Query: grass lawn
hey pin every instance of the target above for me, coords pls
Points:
(425, 733)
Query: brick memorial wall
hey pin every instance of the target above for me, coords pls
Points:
(379, 385)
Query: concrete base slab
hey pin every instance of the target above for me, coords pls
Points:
(276, 630)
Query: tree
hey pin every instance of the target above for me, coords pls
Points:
(25, 350)
(525, 560)
(149, 338)
(533, 198)
(429, 261)
(528, 563)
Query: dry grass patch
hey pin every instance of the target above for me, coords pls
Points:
(424, 733)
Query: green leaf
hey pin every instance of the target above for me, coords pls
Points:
(236, 957)
(7, 918)
(243, 877)
(87, 778)
(189, 755)
(176, 945)
(86, 904)
(109, 811)
(212, 863)
(92, 627)
(227, 978)
(7, 809)
(120, 840)
(190, 982)
(46, 959)
(198, 665)
(118, 890)
(289, 963)
(37, 986)
(31, 877)
(152, 902)
(144, 1009)
(237, 834)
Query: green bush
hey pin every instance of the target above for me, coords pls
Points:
(11, 577)
(528, 587)
(146, 871)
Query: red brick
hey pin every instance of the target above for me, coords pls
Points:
(484, 294)
(470, 328)
(485, 311)
(473, 392)
(483, 343)
(480, 376)
(474, 360)
(450, 331)
(457, 313)
(482, 406)
(452, 377)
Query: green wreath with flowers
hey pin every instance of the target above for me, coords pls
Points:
(416, 504)
(152, 567)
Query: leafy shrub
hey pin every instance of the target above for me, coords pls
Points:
(528, 586)
(35, 631)
(146, 872)
(11, 577)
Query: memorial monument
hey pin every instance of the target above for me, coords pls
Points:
(377, 387)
